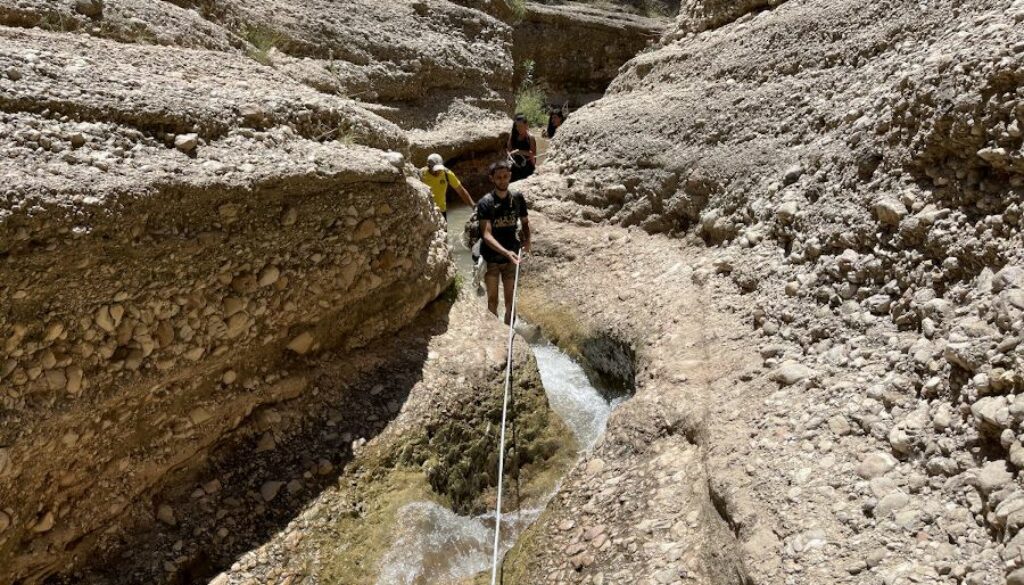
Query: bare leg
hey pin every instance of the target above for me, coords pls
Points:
(509, 281)
(491, 282)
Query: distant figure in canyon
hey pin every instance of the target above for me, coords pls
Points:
(500, 212)
(555, 119)
(521, 149)
(438, 177)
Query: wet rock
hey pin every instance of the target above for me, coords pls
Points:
(266, 443)
(200, 415)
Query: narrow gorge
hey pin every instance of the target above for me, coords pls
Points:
(241, 346)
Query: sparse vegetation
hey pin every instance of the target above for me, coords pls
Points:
(531, 99)
(261, 39)
(327, 131)
(57, 21)
(518, 8)
(532, 103)
(451, 294)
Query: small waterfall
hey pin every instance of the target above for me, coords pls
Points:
(571, 394)
(435, 546)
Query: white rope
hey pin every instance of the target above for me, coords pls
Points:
(504, 416)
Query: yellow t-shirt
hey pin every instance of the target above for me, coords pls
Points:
(439, 185)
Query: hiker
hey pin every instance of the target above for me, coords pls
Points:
(438, 178)
(500, 211)
(555, 119)
(521, 149)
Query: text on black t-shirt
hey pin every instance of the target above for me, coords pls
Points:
(504, 214)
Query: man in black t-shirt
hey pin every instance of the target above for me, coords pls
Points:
(499, 213)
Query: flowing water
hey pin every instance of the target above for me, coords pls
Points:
(435, 546)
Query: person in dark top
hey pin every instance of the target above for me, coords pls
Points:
(555, 119)
(522, 149)
(500, 212)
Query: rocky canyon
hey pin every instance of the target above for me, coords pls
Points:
(783, 237)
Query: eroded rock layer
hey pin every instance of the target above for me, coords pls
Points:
(176, 225)
(440, 71)
(576, 50)
(847, 179)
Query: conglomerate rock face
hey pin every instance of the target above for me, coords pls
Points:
(440, 71)
(853, 176)
(176, 226)
(576, 49)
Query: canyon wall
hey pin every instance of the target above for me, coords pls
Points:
(191, 207)
(845, 179)
(439, 70)
(576, 49)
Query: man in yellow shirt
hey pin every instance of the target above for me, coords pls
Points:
(438, 178)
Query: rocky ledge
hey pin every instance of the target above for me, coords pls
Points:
(162, 260)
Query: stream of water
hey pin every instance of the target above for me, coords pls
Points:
(435, 546)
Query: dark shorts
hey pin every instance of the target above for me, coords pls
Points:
(506, 270)
(520, 173)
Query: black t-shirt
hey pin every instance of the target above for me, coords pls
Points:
(504, 216)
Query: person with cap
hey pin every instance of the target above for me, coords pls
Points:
(438, 177)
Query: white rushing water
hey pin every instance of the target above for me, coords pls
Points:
(435, 546)
(571, 394)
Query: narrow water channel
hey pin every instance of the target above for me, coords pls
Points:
(435, 546)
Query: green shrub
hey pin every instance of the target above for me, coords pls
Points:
(518, 9)
(532, 103)
(531, 100)
(451, 294)
(262, 39)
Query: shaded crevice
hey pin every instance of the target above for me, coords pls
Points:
(611, 365)
(220, 509)
(721, 506)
